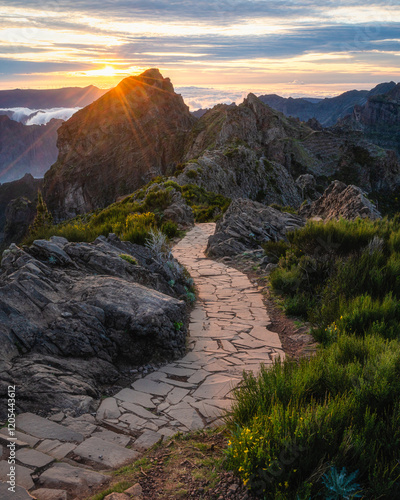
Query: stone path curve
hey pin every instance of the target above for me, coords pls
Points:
(228, 334)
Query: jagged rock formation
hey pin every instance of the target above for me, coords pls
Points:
(327, 111)
(340, 200)
(142, 129)
(12, 217)
(378, 119)
(20, 213)
(114, 146)
(25, 148)
(72, 315)
(255, 152)
(246, 224)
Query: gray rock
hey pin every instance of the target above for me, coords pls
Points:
(340, 200)
(147, 440)
(63, 324)
(246, 225)
(108, 409)
(23, 475)
(179, 212)
(19, 493)
(33, 458)
(78, 482)
(105, 453)
(46, 429)
(307, 187)
(48, 494)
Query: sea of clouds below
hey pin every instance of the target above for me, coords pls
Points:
(195, 98)
(29, 116)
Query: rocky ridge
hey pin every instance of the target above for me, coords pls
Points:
(142, 129)
(327, 111)
(339, 200)
(377, 120)
(246, 225)
(17, 207)
(136, 131)
(76, 316)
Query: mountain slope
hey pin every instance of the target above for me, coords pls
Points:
(133, 133)
(26, 149)
(378, 120)
(326, 111)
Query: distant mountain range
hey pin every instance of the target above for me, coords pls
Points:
(327, 111)
(33, 149)
(69, 97)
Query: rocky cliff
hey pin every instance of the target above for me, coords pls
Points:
(17, 207)
(75, 317)
(142, 129)
(254, 152)
(114, 146)
(378, 120)
(25, 148)
(339, 200)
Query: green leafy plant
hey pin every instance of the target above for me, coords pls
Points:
(178, 325)
(340, 485)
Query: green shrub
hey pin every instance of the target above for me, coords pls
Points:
(287, 208)
(129, 259)
(170, 228)
(339, 408)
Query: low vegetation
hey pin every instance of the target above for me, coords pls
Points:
(184, 464)
(133, 218)
(328, 427)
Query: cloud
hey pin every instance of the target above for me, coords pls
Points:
(207, 97)
(38, 116)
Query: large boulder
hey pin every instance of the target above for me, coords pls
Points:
(340, 200)
(246, 225)
(74, 315)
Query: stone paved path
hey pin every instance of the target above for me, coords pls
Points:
(228, 334)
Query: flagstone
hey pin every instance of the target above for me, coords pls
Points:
(137, 397)
(149, 387)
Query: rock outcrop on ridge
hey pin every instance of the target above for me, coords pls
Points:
(252, 151)
(10, 209)
(377, 120)
(340, 200)
(73, 315)
(246, 225)
(112, 147)
(142, 129)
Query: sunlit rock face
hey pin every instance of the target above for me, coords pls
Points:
(117, 144)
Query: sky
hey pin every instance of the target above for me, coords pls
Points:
(222, 48)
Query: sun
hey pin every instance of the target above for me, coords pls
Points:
(106, 71)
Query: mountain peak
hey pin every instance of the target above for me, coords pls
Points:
(153, 73)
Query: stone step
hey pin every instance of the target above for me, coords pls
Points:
(105, 453)
(43, 428)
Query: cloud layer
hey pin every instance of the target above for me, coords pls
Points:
(29, 116)
(207, 42)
